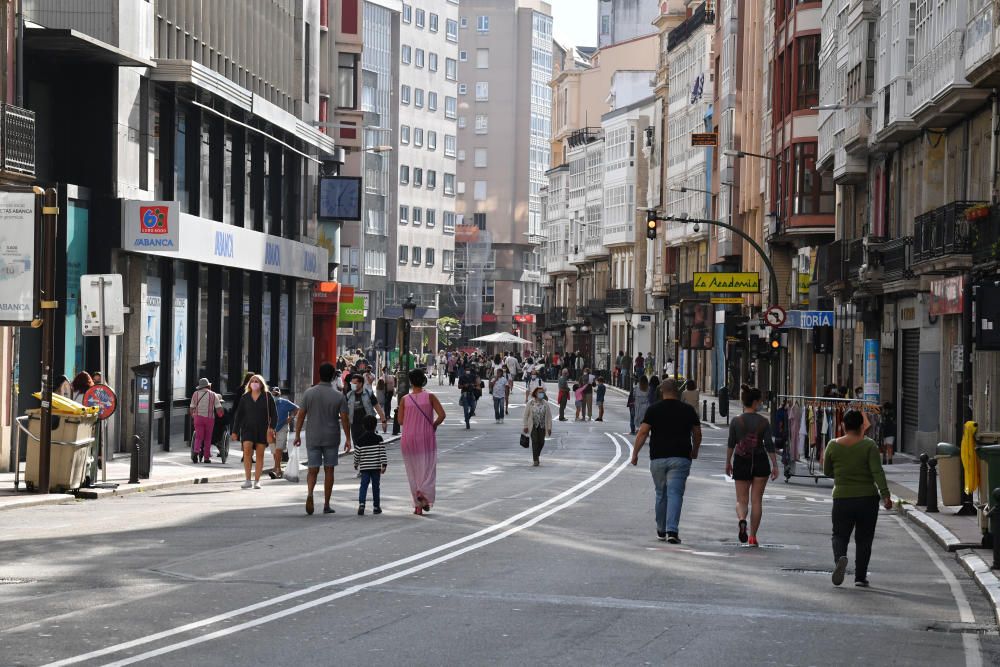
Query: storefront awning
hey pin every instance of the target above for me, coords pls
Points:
(75, 46)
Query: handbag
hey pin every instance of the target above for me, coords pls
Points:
(272, 436)
(525, 441)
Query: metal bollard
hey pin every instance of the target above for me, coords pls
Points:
(922, 482)
(395, 422)
(704, 410)
(932, 505)
(713, 412)
(133, 469)
(994, 515)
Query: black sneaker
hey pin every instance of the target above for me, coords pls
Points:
(673, 539)
(329, 510)
(377, 510)
(862, 583)
(661, 536)
(361, 510)
(743, 531)
(838, 572)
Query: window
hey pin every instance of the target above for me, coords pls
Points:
(482, 123)
(407, 13)
(483, 24)
(605, 25)
(306, 70)
(404, 134)
(482, 58)
(404, 174)
(450, 107)
(432, 140)
(418, 98)
(404, 254)
(461, 155)
(418, 58)
(418, 137)
(406, 54)
(451, 30)
(479, 220)
(479, 158)
(432, 24)
(461, 122)
(432, 101)
(450, 145)
(430, 215)
(404, 215)
(465, 21)
(449, 184)
(432, 178)
(416, 255)
(421, 17)
(417, 216)
(450, 69)
(404, 94)
(448, 261)
(418, 181)
(429, 257)
(479, 191)
(808, 79)
(812, 192)
(463, 56)
(347, 82)
(462, 89)
(482, 91)
(432, 61)
(448, 222)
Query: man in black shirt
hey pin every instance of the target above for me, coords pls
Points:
(674, 433)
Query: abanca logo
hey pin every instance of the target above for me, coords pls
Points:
(153, 220)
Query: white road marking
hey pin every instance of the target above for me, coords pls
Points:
(492, 470)
(588, 486)
(973, 656)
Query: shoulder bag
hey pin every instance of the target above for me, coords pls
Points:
(272, 437)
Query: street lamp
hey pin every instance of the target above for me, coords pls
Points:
(628, 343)
(403, 368)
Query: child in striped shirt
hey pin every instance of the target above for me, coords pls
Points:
(371, 460)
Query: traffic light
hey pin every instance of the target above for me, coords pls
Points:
(651, 224)
(774, 341)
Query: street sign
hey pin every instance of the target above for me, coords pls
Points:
(17, 258)
(708, 281)
(705, 139)
(775, 316)
(727, 299)
(807, 319)
(103, 397)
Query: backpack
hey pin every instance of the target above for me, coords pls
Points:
(748, 444)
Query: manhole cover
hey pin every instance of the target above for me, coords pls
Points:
(802, 570)
(13, 580)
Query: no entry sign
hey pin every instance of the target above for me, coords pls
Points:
(102, 397)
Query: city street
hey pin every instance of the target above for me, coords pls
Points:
(515, 565)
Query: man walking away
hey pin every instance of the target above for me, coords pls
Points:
(468, 384)
(674, 433)
(563, 393)
(322, 407)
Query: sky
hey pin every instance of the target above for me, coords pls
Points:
(574, 22)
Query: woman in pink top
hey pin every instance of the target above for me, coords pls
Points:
(420, 413)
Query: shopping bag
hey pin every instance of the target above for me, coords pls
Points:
(525, 441)
(292, 468)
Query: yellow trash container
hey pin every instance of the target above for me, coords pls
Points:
(72, 436)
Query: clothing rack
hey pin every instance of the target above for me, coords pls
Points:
(808, 427)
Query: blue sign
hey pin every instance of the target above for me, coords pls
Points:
(272, 254)
(871, 370)
(807, 319)
(224, 244)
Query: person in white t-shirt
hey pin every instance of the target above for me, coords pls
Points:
(498, 387)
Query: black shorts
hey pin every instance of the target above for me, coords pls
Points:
(745, 468)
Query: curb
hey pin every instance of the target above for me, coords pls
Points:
(129, 489)
(988, 583)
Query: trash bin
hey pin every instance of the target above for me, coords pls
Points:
(989, 477)
(949, 465)
(72, 436)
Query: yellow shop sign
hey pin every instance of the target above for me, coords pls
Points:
(740, 283)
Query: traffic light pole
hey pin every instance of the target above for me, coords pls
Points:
(652, 215)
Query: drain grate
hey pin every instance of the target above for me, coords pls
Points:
(13, 580)
(762, 545)
(803, 570)
(961, 628)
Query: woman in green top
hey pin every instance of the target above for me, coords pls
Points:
(858, 480)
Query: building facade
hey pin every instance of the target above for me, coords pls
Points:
(623, 20)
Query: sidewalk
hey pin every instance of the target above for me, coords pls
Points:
(170, 469)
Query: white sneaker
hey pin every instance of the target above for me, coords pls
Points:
(256, 485)
(246, 485)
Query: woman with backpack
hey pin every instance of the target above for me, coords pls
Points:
(750, 460)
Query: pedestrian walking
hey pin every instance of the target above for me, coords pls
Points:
(390, 389)
(442, 365)
(563, 396)
(691, 395)
(286, 416)
(205, 406)
(653, 393)
(640, 397)
(533, 381)
(588, 394)
(640, 365)
(852, 460)
(674, 433)
(578, 400)
(498, 389)
(421, 414)
(81, 383)
(537, 422)
(580, 365)
(371, 460)
(361, 403)
(618, 368)
(750, 460)
(253, 425)
(599, 392)
(468, 385)
(324, 413)
(452, 364)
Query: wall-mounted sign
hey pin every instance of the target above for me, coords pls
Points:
(726, 282)
(946, 296)
(705, 139)
(339, 198)
(727, 299)
(808, 319)
(17, 257)
(352, 312)
(524, 319)
(805, 280)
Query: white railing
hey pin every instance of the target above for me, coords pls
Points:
(980, 38)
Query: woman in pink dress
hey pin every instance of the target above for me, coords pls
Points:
(420, 413)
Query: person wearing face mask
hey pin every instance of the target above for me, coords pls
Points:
(360, 403)
(537, 421)
(253, 424)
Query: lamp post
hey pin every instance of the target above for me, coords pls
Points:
(628, 345)
(403, 367)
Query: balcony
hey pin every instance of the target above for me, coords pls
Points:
(621, 234)
(857, 128)
(557, 317)
(942, 238)
(853, 258)
(17, 152)
(594, 248)
(986, 238)
(897, 259)
(941, 94)
(593, 308)
(619, 298)
(893, 119)
(982, 37)
(832, 271)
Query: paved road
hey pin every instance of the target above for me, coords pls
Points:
(516, 565)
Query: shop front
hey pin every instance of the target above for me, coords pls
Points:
(207, 299)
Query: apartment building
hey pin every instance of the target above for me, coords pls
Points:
(504, 128)
(623, 20)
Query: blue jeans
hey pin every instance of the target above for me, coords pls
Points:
(669, 479)
(468, 405)
(498, 407)
(631, 419)
(375, 477)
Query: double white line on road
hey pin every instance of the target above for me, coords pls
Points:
(575, 494)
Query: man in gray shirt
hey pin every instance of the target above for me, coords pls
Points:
(324, 406)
